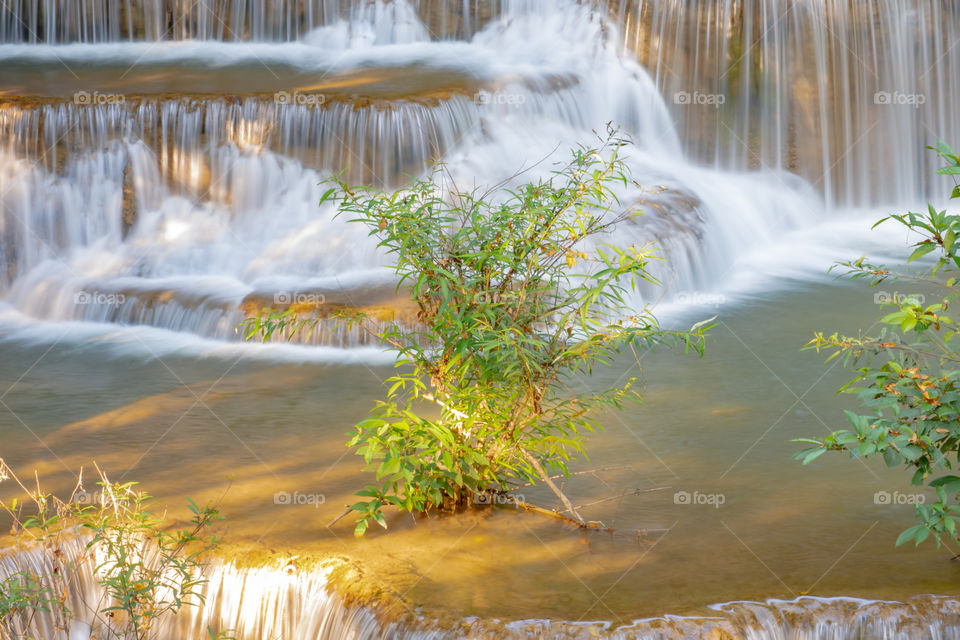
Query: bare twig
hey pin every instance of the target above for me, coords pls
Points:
(637, 535)
(338, 518)
(635, 492)
(578, 473)
(553, 487)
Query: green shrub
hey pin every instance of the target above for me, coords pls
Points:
(908, 379)
(518, 295)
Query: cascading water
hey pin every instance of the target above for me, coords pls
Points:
(839, 92)
(90, 21)
(289, 602)
(174, 186)
(115, 205)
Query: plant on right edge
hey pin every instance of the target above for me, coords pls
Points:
(909, 386)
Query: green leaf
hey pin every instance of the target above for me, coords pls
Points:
(388, 467)
(944, 149)
(910, 534)
(891, 457)
(921, 250)
(911, 452)
(329, 192)
(950, 484)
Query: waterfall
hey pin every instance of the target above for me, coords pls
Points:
(130, 207)
(836, 91)
(91, 21)
(290, 601)
(249, 604)
(842, 93)
(172, 186)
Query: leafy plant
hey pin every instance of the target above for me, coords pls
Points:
(909, 384)
(269, 321)
(518, 295)
(23, 595)
(145, 570)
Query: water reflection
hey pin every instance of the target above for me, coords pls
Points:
(781, 530)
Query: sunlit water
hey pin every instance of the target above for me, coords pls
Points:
(714, 427)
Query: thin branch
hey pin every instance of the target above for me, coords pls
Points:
(578, 473)
(553, 487)
(635, 492)
(339, 518)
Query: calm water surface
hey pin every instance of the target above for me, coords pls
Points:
(730, 515)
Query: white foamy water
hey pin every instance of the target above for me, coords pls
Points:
(170, 212)
(293, 602)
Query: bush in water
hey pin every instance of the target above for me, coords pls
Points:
(910, 384)
(517, 294)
